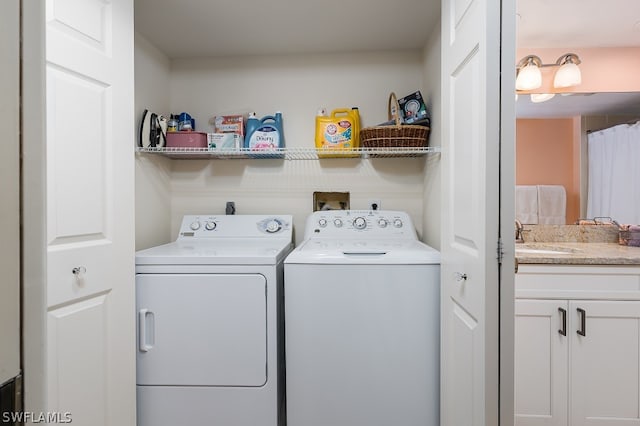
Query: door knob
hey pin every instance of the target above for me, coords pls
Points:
(460, 276)
(79, 270)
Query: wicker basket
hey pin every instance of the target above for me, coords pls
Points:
(394, 136)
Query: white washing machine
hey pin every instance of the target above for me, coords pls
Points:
(210, 349)
(362, 315)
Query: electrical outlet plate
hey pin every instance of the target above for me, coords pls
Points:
(374, 204)
(330, 201)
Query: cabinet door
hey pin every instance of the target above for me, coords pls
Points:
(541, 354)
(605, 385)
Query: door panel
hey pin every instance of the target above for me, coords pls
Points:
(605, 379)
(202, 329)
(76, 145)
(77, 362)
(462, 346)
(541, 363)
(90, 143)
(470, 165)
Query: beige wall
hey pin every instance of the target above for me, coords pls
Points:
(153, 173)
(545, 152)
(432, 92)
(297, 86)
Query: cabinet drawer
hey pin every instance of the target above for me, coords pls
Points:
(573, 282)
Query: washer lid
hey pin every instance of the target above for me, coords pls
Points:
(221, 251)
(361, 252)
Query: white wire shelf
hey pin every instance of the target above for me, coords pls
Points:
(289, 153)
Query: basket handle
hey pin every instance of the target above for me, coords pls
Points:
(393, 110)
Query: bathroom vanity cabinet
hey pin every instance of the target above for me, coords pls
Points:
(577, 340)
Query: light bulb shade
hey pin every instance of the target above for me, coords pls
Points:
(529, 78)
(541, 97)
(568, 75)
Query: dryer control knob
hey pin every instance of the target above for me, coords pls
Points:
(322, 223)
(337, 223)
(210, 226)
(359, 223)
(382, 223)
(195, 226)
(397, 223)
(273, 226)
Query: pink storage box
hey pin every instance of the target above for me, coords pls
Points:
(186, 140)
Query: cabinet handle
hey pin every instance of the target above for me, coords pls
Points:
(563, 314)
(583, 322)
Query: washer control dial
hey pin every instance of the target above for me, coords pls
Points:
(397, 223)
(359, 223)
(273, 226)
(322, 223)
(382, 223)
(210, 226)
(195, 225)
(337, 223)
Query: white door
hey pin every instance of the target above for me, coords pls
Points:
(541, 362)
(90, 234)
(605, 363)
(470, 203)
(10, 191)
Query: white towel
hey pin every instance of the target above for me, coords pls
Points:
(527, 204)
(552, 205)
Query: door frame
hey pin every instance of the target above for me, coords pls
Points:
(33, 217)
(506, 397)
(10, 190)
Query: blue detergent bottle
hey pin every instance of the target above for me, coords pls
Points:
(264, 134)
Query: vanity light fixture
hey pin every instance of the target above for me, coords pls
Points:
(568, 74)
(529, 76)
(541, 97)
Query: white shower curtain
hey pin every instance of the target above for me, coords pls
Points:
(614, 173)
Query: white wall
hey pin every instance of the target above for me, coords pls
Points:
(296, 86)
(153, 189)
(432, 90)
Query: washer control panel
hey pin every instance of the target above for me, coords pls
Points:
(345, 223)
(237, 226)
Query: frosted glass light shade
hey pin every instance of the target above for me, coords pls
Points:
(529, 78)
(567, 75)
(541, 97)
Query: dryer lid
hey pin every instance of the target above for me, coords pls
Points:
(232, 251)
(363, 251)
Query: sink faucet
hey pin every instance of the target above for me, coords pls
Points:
(519, 229)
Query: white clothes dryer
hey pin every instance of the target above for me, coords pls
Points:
(209, 306)
(362, 315)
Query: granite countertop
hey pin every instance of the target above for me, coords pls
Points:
(574, 253)
(574, 245)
